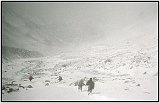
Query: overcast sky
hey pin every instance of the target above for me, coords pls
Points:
(119, 14)
(76, 22)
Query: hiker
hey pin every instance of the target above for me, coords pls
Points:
(60, 78)
(80, 84)
(30, 78)
(90, 84)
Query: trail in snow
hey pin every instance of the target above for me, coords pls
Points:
(51, 93)
(45, 94)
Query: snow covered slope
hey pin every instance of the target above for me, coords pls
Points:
(122, 59)
(121, 72)
(10, 53)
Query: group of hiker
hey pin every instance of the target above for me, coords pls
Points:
(89, 83)
(59, 78)
(81, 83)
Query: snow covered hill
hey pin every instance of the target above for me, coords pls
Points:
(119, 69)
(11, 53)
(115, 44)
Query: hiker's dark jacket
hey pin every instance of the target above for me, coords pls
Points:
(90, 85)
(80, 83)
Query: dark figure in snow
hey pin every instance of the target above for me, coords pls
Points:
(80, 84)
(60, 78)
(90, 84)
(30, 78)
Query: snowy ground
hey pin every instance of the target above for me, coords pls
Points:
(115, 44)
(120, 73)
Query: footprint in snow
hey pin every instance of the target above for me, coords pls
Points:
(126, 89)
(147, 92)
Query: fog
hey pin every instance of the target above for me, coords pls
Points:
(61, 26)
(51, 48)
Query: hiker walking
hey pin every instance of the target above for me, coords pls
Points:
(80, 84)
(60, 78)
(90, 84)
(30, 78)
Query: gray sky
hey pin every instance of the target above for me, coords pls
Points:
(63, 24)
(119, 14)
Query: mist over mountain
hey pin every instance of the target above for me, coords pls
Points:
(54, 47)
(52, 28)
(11, 53)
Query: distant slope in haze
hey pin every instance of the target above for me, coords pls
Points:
(9, 53)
